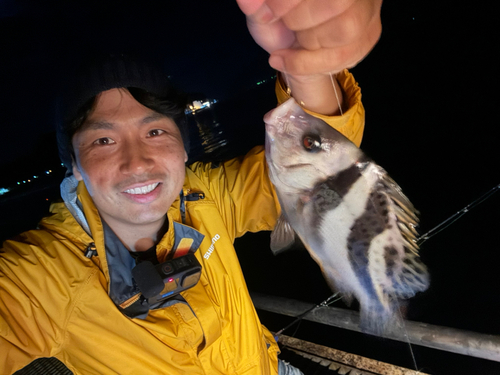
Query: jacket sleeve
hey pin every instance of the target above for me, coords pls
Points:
(242, 191)
(241, 187)
(28, 329)
(352, 122)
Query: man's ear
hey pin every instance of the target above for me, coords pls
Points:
(76, 170)
(185, 157)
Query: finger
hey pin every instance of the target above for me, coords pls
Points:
(272, 36)
(325, 60)
(341, 30)
(263, 16)
(250, 6)
(311, 13)
(280, 7)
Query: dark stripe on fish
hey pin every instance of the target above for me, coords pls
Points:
(391, 257)
(328, 194)
(371, 223)
(343, 180)
(325, 199)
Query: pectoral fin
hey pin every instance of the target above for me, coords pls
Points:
(282, 237)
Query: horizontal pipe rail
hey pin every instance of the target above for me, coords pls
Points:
(437, 337)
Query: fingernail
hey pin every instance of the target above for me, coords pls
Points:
(265, 14)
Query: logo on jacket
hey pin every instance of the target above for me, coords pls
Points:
(212, 247)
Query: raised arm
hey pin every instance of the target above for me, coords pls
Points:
(309, 39)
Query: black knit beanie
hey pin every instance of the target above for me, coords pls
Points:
(103, 73)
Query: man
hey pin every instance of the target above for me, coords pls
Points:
(68, 290)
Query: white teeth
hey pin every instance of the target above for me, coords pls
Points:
(143, 190)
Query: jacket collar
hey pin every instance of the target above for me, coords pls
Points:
(80, 204)
(68, 190)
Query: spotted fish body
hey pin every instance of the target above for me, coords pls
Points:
(351, 216)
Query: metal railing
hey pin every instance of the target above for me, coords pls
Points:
(437, 337)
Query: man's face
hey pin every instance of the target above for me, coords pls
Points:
(131, 160)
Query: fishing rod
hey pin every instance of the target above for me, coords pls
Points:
(438, 228)
(446, 223)
(327, 302)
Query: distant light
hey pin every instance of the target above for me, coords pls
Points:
(170, 280)
(3, 191)
(47, 172)
(29, 180)
(24, 182)
(35, 176)
(19, 183)
(50, 170)
(62, 164)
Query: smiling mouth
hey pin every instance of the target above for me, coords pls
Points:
(142, 190)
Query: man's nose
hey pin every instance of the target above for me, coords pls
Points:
(136, 159)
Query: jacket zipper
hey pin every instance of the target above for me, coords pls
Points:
(91, 251)
(190, 198)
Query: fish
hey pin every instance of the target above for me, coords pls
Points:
(351, 216)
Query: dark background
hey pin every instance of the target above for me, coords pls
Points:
(430, 92)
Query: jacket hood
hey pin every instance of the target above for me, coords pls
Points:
(68, 193)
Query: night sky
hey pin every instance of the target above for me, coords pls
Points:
(203, 48)
(430, 89)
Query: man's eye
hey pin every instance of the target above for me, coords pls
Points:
(155, 132)
(104, 141)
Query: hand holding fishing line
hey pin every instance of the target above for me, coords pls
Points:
(310, 39)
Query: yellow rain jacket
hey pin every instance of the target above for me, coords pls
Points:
(54, 301)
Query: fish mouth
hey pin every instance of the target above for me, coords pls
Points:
(268, 116)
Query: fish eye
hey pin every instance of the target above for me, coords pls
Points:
(311, 143)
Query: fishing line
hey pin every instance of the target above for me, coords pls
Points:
(405, 332)
(336, 95)
(446, 223)
(287, 82)
(296, 329)
(334, 298)
(327, 302)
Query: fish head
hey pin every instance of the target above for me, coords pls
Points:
(302, 149)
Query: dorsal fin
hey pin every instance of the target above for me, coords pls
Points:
(413, 277)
